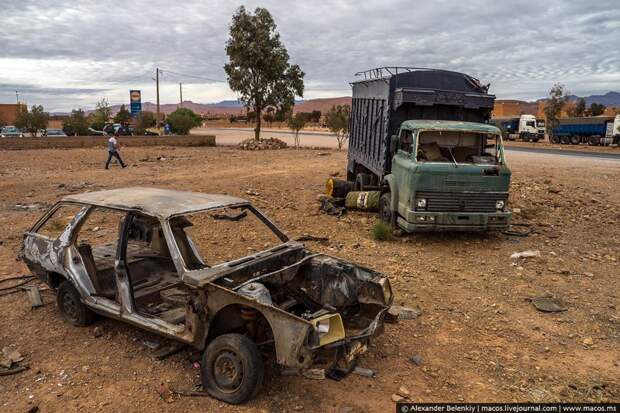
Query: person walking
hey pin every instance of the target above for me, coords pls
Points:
(113, 148)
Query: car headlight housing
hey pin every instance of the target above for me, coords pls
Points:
(420, 203)
(329, 328)
(500, 204)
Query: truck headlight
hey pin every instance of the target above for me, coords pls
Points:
(421, 203)
(499, 204)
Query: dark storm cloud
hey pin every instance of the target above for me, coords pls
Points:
(522, 47)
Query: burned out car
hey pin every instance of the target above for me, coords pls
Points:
(210, 271)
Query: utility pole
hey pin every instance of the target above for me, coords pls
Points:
(181, 94)
(157, 91)
(17, 96)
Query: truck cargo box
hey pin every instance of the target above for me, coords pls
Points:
(386, 97)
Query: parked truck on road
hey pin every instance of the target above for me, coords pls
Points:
(420, 137)
(525, 127)
(594, 130)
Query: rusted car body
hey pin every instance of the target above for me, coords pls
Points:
(308, 308)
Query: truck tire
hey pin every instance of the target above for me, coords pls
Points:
(594, 140)
(232, 368)
(565, 139)
(385, 209)
(535, 140)
(362, 181)
(575, 140)
(554, 139)
(71, 306)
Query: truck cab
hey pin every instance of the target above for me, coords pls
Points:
(446, 176)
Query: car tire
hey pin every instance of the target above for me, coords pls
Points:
(385, 210)
(232, 369)
(71, 306)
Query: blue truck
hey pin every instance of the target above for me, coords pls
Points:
(593, 130)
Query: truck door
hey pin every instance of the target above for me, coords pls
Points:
(402, 168)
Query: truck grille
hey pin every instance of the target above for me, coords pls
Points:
(461, 201)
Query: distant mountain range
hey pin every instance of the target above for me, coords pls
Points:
(235, 107)
(609, 99)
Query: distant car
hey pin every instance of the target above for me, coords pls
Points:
(11, 132)
(54, 133)
(210, 271)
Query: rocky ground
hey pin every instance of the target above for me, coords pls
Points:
(479, 337)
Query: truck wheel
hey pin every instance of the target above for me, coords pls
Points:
(564, 140)
(71, 307)
(554, 139)
(232, 368)
(535, 140)
(385, 210)
(575, 140)
(594, 140)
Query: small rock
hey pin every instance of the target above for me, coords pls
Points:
(416, 359)
(345, 409)
(588, 341)
(314, 374)
(403, 391)
(397, 312)
(96, 229)
(396, 398)
(98, 331)
(298, 408)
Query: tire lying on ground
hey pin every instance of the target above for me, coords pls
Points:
(338, 188)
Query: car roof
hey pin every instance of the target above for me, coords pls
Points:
(450, 125)
(162, 203)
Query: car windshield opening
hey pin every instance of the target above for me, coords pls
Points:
(209, 238)
(458, 147)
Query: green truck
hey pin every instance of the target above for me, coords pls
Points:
(422, 138)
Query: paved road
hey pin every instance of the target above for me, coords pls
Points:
(232, 136)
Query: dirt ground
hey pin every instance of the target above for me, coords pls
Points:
(479, 337)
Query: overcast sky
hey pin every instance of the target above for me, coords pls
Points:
(66, 54)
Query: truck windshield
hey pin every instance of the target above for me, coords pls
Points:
(540, 123)
(458, 147)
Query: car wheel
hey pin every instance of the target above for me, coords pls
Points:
(232, 368)
(385, 210)
(71, 307)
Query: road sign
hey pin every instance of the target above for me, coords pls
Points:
(135, 102)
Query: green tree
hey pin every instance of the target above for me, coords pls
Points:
(144, 120)
(579, 109)
(296, 123)
(282, 114)
(597, 109)
(101, 115)
(76, 123)
(338, 123)
(269, 116)
(22, 118)
(182, 120)
(32, 121)
(259, 68)
(123, 115)
(554, 105)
